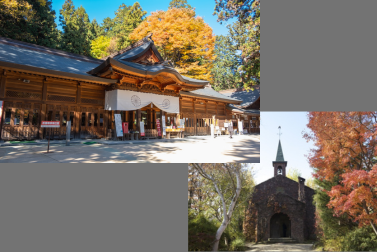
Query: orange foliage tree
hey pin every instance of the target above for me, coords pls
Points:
(346, 149)
(182, 38)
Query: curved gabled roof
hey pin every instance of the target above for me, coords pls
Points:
(125, 58)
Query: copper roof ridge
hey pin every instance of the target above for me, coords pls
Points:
(48, 50)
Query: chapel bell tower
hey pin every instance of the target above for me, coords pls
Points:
(279, 164)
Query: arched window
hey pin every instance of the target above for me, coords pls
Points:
(280, 170)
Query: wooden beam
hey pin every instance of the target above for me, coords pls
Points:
(2, 84)
(44, 90)
(78, 96)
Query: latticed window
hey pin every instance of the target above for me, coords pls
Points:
(26, 117)
(17, 116)
(8, 115)
(35, 117)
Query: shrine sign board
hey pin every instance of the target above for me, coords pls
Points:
(158, 127)
(50, 124)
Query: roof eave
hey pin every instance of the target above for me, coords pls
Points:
(115, 63)
(55, 73)
(184, 93)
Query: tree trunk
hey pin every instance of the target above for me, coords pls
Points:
(228, 215)
(373, 226)
(219, 233)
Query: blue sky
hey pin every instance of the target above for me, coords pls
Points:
(294, 145)
(102, 9)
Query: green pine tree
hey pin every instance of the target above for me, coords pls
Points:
(127, 18)
(179, 4)
(225, 67)
(32, 21)
(78, 31)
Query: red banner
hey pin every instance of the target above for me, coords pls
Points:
(125, 127)
(158, 127)
(50, 124)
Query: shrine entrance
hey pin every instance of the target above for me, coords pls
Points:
(280, 226)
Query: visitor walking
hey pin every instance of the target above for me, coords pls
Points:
(230, 129)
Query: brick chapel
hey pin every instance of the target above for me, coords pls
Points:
(281, 207)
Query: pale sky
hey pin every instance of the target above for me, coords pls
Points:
(293, 144)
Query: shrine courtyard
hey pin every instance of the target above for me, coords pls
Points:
(199, 149)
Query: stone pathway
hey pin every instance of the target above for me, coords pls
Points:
(243, 149)
(279, 247)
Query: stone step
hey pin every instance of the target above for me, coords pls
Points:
(281, 240)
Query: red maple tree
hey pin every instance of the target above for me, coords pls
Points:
(346, 148)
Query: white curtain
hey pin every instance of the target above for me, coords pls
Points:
(126, 100)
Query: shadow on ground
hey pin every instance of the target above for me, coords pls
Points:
(243, 149)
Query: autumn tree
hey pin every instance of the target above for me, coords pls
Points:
(99, 47)
(181, 38)
(346, 148)
(215, 173)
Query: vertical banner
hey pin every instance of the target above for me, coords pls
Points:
(158, 126)
(212, 130)
(68, 133)
(142, 133)
(163, 126)
(125, 127)
(240, 127)
(118, 125)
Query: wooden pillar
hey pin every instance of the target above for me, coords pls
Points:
(105, 122)
(249, 119)
(180, 104)
(238, 124)
(194, 109)
(77, 121)
(138, 116)
(43, 118)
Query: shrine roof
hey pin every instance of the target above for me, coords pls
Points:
(247, 97)
(235, 108)
(124, 58)
(210, 93)
(30, 57)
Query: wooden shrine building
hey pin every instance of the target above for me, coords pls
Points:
(248, 111)
(42, 84)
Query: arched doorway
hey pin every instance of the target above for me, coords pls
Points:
(280, 226)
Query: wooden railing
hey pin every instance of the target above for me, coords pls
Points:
(151, 133)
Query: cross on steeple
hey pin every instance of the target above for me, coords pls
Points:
(279, 164)
(279, 133)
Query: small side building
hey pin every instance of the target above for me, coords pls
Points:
(248, 111)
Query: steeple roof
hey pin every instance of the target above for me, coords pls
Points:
(279, 154)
